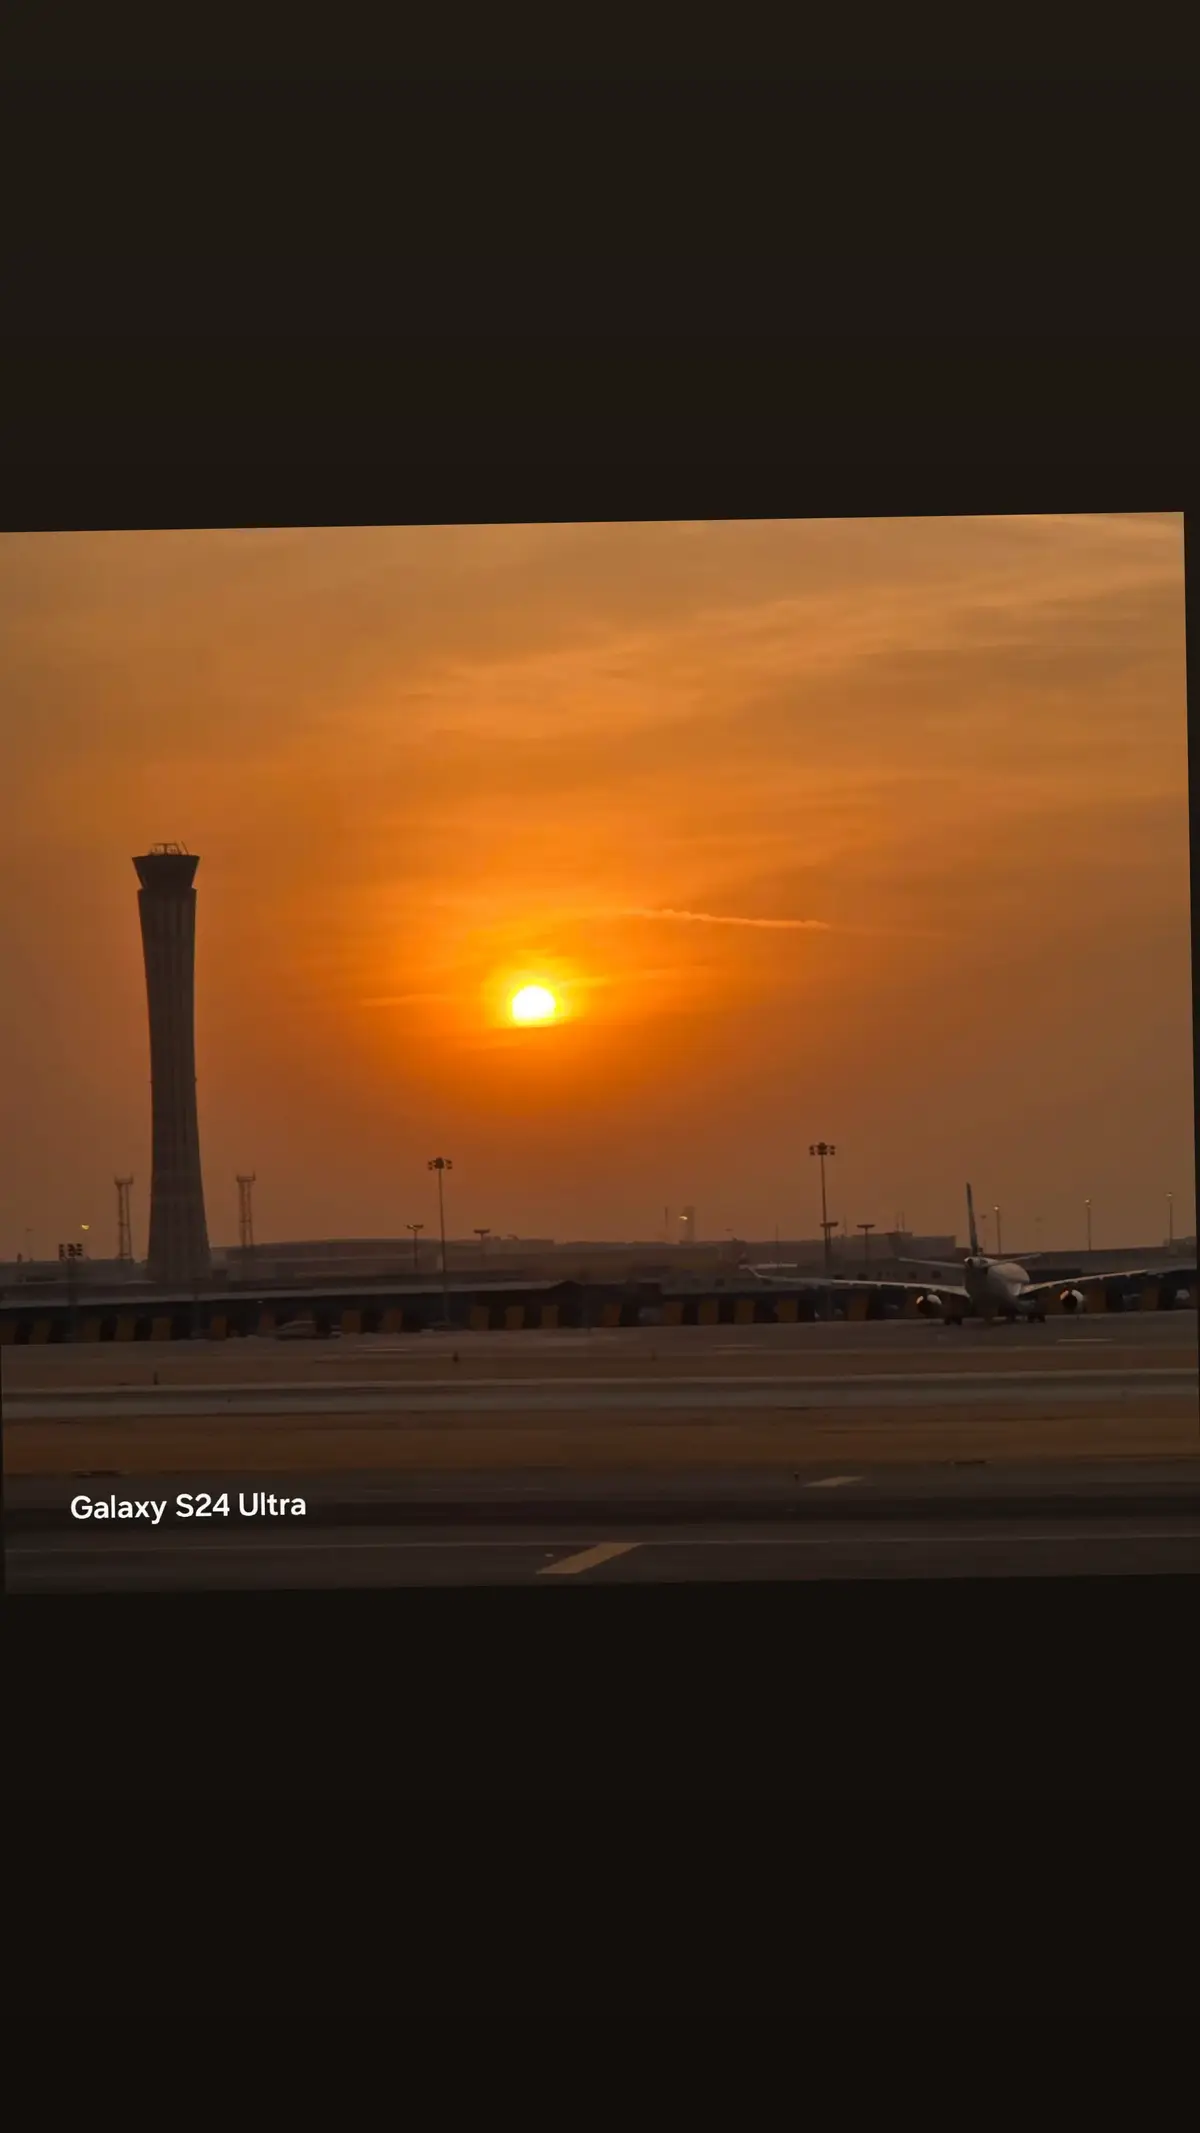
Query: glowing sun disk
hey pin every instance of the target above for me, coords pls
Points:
(533, 1004)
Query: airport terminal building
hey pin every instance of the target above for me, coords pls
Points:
(337, 1261)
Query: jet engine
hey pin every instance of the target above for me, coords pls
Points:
(1072, 1300)
(929, 1306)
(1177, 1299)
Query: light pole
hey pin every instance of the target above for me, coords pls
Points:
(866, 1228)
(71, 1254)
(441, 1164)
(1170, 1221)
(1088, 1206)
(483, 1235)
(416, 1228)
(999, 1233)
(821, 1149)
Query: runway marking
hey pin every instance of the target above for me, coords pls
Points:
(834, 1481)
(277, 1547)
(859, 1539)
(590, 1559)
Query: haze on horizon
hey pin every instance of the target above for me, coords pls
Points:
(869, 830)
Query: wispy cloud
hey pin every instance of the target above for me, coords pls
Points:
(793, 925)
(409, 999)
(722, 918)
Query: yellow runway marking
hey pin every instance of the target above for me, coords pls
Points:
(590, 1559)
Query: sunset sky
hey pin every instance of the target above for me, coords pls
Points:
(871, 831)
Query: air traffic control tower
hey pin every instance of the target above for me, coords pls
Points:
(167, 907)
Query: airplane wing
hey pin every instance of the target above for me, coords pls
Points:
(955, 1289)
(935, 1266)
(1183, 1274)
(840, 1284)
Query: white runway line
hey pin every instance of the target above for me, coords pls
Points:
(834, 1481)
(590, 1559)
(266, 1547)
(964, 1538)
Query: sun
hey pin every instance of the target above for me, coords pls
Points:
(534, 1003)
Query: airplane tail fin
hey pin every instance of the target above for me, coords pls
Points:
(972, 1231)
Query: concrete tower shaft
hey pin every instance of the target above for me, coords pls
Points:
(178, 1250)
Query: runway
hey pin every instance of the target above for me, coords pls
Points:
(356, 1530)
(341, 1559)
(711, 1397)
(1129, 1341)
(978, 1486)
(585, 1393)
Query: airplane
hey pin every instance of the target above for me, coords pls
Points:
(982, 1287)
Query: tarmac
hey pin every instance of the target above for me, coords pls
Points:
(1124, 1340)
(627, 1400)
(974, 1525)
(633, 1455)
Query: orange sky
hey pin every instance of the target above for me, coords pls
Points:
(873, 831)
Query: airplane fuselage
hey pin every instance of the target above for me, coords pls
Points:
(995, 1286)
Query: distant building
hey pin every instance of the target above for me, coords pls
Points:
(301, 1260)
(85, 1273)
